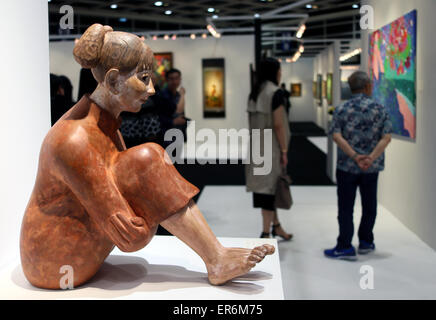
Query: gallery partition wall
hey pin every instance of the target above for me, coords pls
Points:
(408, 183)
(25, 109)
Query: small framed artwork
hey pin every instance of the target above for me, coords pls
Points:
(295, 89)
(330, 89)
(213, 88)
(319, 89)
(324, 89)
(163, 61)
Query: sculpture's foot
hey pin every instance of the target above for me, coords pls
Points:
(234, 262)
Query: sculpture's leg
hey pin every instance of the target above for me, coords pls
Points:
(158, 193)
(222, 263)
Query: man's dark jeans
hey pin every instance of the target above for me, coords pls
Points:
(347, 187)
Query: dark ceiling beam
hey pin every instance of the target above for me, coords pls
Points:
(133, 16)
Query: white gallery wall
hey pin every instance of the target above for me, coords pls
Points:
(25, 108)
(327, 62)
(300, 72)
(324, 63)
(407, 186)
(238, 52)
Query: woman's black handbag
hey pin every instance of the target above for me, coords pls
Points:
(283, 197)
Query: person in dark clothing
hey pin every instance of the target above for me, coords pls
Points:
(143, 126)
(87, 83)
(61, 96)
(171, 106)
(266, 112)
(362, 129)
(287, 96)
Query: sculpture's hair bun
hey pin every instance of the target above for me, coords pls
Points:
(87, 50)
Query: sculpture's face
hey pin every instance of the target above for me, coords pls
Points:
(137, 86)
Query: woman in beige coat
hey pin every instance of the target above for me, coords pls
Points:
(266, 111)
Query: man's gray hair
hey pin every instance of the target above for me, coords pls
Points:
(358, 81)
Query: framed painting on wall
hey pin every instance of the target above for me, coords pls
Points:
(295, 89)
(162, 62)
(330, 89)
(324, 89)
(213, 88)
(392, 68)
(319, 89)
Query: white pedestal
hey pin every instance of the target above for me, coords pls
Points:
(166, 269)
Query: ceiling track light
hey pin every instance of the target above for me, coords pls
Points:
(351, 54)
(213, 31)
(300, 31)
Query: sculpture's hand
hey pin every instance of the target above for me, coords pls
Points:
(128, 233)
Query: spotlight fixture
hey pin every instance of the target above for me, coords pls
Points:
(114, 6)
(193, 36)
(166, 37)
(308, 6)
(355, 6)
(154, 37)
(288, 60)
(168, 12)
(296, 56)
(204, 36)
(215, 16)
(158, 3)
(256, 15)
(213, 31)
(351, 54)
(174, 37)
(210, 10)
(301, 49)
(300, 31)
(123, 19)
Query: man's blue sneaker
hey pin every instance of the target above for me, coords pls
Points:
(341, 254)
(365, 247)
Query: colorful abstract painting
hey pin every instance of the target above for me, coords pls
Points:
(392, 66)
(163, 62)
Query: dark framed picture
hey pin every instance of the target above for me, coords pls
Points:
(295, 89)
(163, 61)
(214, 88)
(319, 89)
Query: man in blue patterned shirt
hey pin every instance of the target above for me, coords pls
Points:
(362, 130)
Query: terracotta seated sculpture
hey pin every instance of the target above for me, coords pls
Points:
(92, 194)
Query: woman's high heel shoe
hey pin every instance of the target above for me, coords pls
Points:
(264, 235)
(274, 233)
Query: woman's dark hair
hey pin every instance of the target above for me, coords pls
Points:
(267, 71)
(68, 88)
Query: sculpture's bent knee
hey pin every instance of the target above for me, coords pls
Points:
(148, 180)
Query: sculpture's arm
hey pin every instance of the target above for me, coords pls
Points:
(86, 173)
